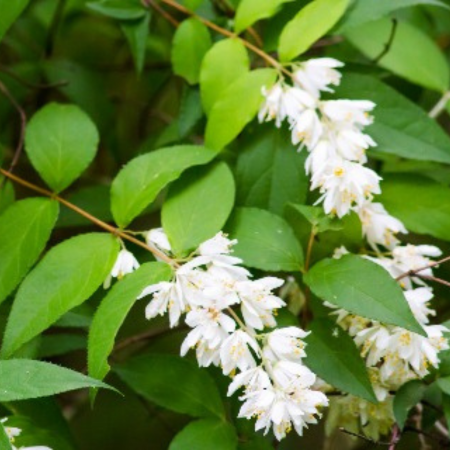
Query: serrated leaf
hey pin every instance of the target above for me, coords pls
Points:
(141, 180)
(250, 11)
(137, 32)
(25, 379)
(61, 141)
(265, 241)
(363, 11)
(67, 276)
(224, 63)
(25, 228)
(334, 357)
(236, 107)
(310, 24)
(118, 9)
(205, 435)
(173, 383)
(430, 71)
(197, 206)
(190, 44)
(364, 288)
(10, 12)
(269, 173)
(406, 398)
(400, 127)
(113, 311)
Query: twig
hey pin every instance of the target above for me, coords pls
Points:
(305, 309)
(412, 273)
(365, 438)
(115, 231)
(30, 84)
(388, 44)
(440, 105)
(430, 278)
(161, 11)
(139, 337)
(395, 437)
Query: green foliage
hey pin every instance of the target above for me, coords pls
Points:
(61, 141)
(197, 206)
(421, 204)
(25, 228)
(10, 12)
(25, 379)
(190, 43)
(310, 24)
(410, 134)
(224, 63)
(237, 107)
(173, 383)
(334, 357)
(113, 311)
(269, 175)
(141, 180)
(137, 32)
(250, 11)
(67, 276)
(265, 241)
(373, 293)
(204, 435)
(431, 71)
(5, 444)
(406, 398)
(118, 9)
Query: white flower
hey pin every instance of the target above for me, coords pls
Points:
(378, 226)
(218, 245)
(282, 410)
(291, 375)
(285, 344)
(253, 379)
(125, 264)
(319, 157)
(352, 144)
(257, 301)
(316, 75)
(210, 327)
(272, 106)
(307, 129)
(343, 184)
(418, 302)
(349, 111)
(235, 352)
(295, 101)
(374, 342)
(158, 238)
(13, 432)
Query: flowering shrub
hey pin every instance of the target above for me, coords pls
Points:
(224, 224)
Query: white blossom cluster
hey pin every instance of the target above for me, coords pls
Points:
(13, 432)
(332, 131)
(277, 386)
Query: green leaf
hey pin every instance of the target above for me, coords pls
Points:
(67, 276)
(446, 408)
(431, 70)
(61, 142)
(141, 180)
(113, 311)
(197, 206)
(334, 357)
(137, 32)
(118, 9)
(363, 11)
(406, 398)
(401, 127)
(315, 215)
(310, 24)
(25, 228)
(5, 443)
(190, 44)
(225, 62)
(206, 434)
(173, 383)
(444, 384)
(236, 107)
(364, 288)
(24, 379)
(265, 241)
(11, 10)
(270, 173)
(191, 111)
(250, 11)
(7, 195)
(421, 204)
(61, 343)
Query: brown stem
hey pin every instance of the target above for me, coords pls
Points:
(388, 44)
(161, 11)
(113, 230)
(435, 279)
(395, 437)
(305, 309)
(139, 337)
(412, 273)
(365, 438)
(272, 61)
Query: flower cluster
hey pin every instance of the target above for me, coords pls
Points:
(13, 432)
(277, 385)
(332, 131)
